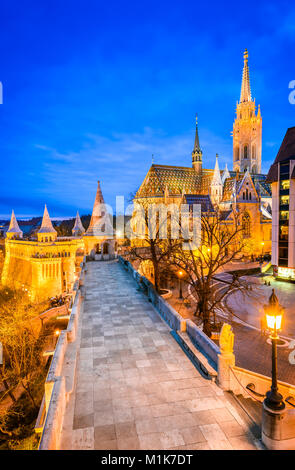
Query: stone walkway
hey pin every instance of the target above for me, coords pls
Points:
(135, 388)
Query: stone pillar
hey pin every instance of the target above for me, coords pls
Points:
(272, 428)
(225, 361)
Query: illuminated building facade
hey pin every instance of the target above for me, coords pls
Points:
(244, 189)
(282, 178)
(47, 265)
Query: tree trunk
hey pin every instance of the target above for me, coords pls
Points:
(8, 390)
(27, 390)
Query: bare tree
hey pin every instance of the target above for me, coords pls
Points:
(152, 245)
(22, 346)
(220, 243)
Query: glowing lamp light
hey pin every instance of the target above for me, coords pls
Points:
(274, 321)
(57, 332)
(180, 273)
(273, 313)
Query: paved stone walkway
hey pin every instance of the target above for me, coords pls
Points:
(135, 388)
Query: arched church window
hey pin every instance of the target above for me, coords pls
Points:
(253, 151)
(250, 196)
(246, 151)
(244, 195)
(246, 225)
(247, 195)
(237, 153)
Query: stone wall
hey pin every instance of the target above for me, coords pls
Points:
(60, 379)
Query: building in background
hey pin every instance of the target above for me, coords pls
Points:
(282, 178)
(245, 188)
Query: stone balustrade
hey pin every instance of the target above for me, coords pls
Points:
(60, 379)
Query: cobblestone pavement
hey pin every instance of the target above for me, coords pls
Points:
(135, 388)
(254, 353)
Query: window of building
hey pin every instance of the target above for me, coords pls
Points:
(284, 215)
(246, 151)
(285, 184)
(237, 153)
(284, 230)
(284, 200)
(246, 225)
(253, 151)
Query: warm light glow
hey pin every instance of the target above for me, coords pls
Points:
(57, 332)
(180, 273)
(274, 321)
(286, 272)
(262, 243)
(119, 234)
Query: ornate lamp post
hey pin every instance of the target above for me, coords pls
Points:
(180, 275)
(274, 314)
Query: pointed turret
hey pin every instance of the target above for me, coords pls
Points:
(245, 89)
(225, 174)
(46, 232)
(14, 231)
(197, 152)
(100, 224)
(216, 185)
(78, 228)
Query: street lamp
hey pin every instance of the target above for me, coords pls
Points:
(262, 249)
(274, 314)
(180, 274)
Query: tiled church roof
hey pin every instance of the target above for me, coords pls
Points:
(185, 180)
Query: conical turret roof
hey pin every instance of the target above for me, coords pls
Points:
(216, 180)
(78, 226)
(13, 226)
(46, 226)
(245, 89)
(100, 224)
(225, 174)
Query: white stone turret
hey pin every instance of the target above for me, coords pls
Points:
(225, 174)
(14, 231)
(216, 185)
(78, 228)
(46, 232)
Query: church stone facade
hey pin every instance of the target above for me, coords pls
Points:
(244, 188)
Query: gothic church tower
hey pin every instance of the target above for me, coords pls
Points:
(247, 129)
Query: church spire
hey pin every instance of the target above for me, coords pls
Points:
(14, 230)
(78, 228)
(216, 175)
(245, 89)
(216, 185)
(225, 174)
(197, 152)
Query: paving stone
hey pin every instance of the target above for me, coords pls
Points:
(135, 388)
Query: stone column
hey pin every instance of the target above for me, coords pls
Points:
(225, 361)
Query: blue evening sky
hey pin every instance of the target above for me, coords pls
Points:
(91, 89)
